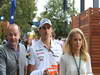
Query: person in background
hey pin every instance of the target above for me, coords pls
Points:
(45, 53)
(76, 59)
(13, 54)
(28, 40)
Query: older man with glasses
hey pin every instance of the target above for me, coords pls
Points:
(45, 52)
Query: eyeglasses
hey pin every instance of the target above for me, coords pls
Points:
(45, 27)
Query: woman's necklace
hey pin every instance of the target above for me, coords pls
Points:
(78, 67)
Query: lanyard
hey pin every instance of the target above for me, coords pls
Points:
(78, 67)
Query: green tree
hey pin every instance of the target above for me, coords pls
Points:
(25, 12)
(4, 8)
(60, 19)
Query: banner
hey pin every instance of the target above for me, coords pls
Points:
(12, 11)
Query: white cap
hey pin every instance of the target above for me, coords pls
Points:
(44, 21)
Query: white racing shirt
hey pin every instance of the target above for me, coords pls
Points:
(44, 58)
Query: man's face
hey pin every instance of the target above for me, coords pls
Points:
(13, 35)
(46, 31)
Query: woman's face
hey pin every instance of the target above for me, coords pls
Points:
(76, 41)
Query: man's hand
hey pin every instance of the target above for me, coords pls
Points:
(46, 72)
(30, 68)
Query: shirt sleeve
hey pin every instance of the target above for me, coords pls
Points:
(89, 67)
(32, 58)
(32, 61)
(2, 62)
(62, 66)
(37, 72)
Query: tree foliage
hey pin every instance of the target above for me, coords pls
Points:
(60, 19)
(25, 12)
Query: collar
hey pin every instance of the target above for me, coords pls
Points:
(9, 46)
(45, 46)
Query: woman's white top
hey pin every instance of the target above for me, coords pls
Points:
(68, 66)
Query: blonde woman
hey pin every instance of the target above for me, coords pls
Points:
(76, 59)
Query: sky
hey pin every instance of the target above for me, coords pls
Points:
(41, 3)
(88, 3)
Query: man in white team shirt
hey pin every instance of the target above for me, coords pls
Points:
(45, 52)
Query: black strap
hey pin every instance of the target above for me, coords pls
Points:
(17, 61)
(78, 67)
(17, 67)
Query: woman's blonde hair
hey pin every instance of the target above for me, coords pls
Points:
(84, 49)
